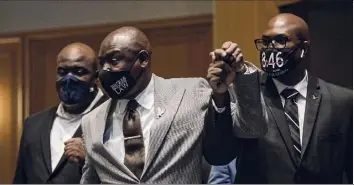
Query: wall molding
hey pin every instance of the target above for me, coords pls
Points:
(102, 28)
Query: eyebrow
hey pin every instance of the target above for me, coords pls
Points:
(81, 58)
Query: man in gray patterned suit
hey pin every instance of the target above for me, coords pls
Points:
(151, 130)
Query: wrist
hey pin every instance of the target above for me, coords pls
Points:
(220, 99)
(242, 69)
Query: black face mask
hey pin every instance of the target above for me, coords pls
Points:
(73, 91)
(277, 62)
(117, 84)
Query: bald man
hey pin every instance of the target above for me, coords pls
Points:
(51, 148)
(150, 131)
(310, 121)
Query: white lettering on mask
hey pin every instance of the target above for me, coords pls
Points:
(264, 61)
(120, 85)
(279, 62)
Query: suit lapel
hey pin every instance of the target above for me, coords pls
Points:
(272, 98)
(313, 100)
(78, 133)
(101, 122)
(167, 101)
(64, 158)
(45, 137)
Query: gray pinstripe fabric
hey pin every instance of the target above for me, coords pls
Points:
(175, 147)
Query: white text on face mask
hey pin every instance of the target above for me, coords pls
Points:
(120, 85)
(279, 62)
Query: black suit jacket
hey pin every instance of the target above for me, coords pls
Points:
(34, 159)
(327, 147)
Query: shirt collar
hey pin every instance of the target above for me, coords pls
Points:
(301, 87)
(145, 98)
(65, 115)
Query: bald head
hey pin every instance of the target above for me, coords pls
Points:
(125, 38)
(289, 25)
(78, 52)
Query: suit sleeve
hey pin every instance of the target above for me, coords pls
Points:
(222, 174)
(89, 174)
(247, 107)
(20, 173)
(243, 117)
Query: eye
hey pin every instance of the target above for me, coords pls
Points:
(265, 42)
(80, 71)
(114, 61)
(61, 72)
(101, 61)
(281, 39)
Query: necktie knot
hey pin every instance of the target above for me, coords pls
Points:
(132, 105)
(289, 93)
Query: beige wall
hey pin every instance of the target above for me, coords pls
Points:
(242, 22)
(34, 15)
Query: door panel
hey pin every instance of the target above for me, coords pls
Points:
(11, 106)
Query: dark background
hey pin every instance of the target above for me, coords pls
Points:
(331, 31)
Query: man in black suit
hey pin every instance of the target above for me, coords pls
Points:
(310, 121)
(51, 148)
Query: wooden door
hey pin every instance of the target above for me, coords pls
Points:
(11, 106)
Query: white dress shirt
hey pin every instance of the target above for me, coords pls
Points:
(63, 129)
(301, 87)
(115, 143)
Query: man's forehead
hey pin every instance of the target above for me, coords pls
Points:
(279, 28)
(74, 59)
(118, 42)
(73, 56)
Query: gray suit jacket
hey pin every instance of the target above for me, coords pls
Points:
(175, 149)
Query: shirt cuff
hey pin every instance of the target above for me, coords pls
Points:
(249, 70)
(219, 110)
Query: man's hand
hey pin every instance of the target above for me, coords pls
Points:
(75, 151)
(222, 71)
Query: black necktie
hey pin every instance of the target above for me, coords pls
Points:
(133, 140)
(291, 115)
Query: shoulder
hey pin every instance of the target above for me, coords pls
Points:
(36, 118)
(187, 83)
(336, 91)
(35, 122)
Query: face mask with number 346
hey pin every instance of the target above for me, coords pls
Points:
(277, 62)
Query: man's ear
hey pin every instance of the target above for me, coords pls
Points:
(305, 47)
(144, 57)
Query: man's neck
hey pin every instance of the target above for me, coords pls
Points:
(142, 87)
(293, 77)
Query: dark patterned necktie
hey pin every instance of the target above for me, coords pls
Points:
(291, 115)
(133, 140)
